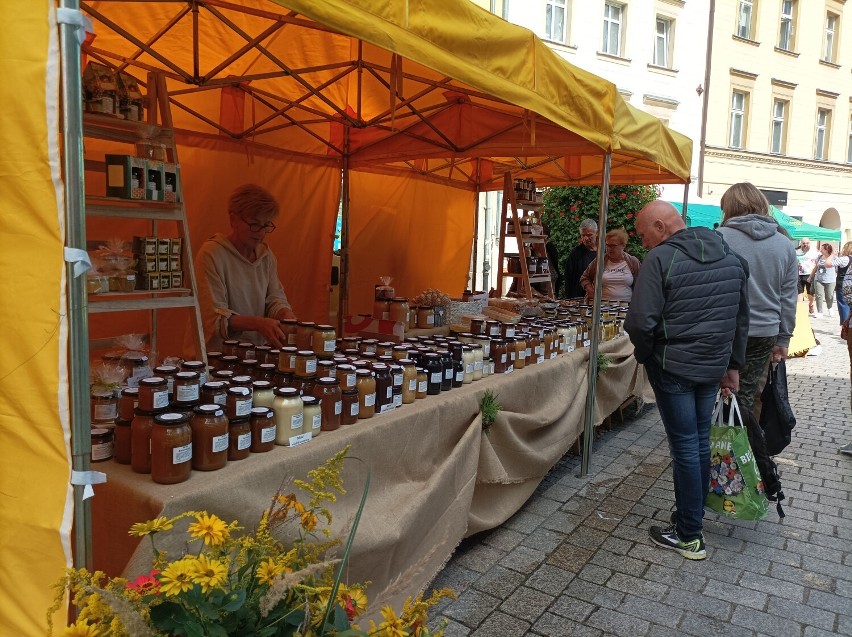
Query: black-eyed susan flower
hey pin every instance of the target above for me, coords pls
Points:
(210, 528)
(141, 529)
(209, 573)
(176, 578)
(82, 628)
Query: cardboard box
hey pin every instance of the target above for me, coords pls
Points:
(165, 280)
(145, 246)
(164, 246)
(125, 176)
(176, 246)
(172, 189)
(177, 279)
(155, 183)
(122, 282)
(149, 281)
(147, 264)
(163, 263)
(174, 264)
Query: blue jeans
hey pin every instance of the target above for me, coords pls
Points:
(842, 306)
(686, 408)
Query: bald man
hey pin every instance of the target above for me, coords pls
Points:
(688, 322)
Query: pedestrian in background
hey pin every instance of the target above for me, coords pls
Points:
(688, 323)
(841, 264)
(753, 233)
(846, 290)
(807, 256)
(579, 258)
(823, 279)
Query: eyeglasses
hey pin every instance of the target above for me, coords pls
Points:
(257, 227)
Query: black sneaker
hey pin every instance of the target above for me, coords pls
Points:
(668, 539)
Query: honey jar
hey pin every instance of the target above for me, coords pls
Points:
(398, 309)
(121, 440)
(214, 392)
(153, 394)
(289, 415)
(306, 363)
(350, 407)
(239, 438)
(214, 360)
(262, 423)
(324, 341)
(104, 405)
(171, 448)
(425, 317)
(287, 360)
(288, 326)
(304, 334)
(229, 347)
(140, 440)
(327, 391)
(209, 437)
(346, 377)
(238, 402)
(422, 383)
(366, 385)
(409, 381)
(187, 388)
(195, 366)
(102, 445)
(262, 394)
(313, 418)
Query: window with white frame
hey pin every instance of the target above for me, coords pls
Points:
(612, 23)
(739, 104)
(823, 129)
(555, 21)
(785, 34)
(663, 42)
(779, 127)
(829, 48)
(744, 18)
(849, 147)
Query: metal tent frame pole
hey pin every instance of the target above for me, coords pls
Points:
(343, 290)
(77, 301)
(589, 426)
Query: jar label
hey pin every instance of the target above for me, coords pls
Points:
(220, 443)
(291, 340)
(386, 408)
(267, 434)
(397, 380)
(300, 439)
(160, 399)
(182, 454)
(460, 377)
(389, 392)
(412, 384)
(311, 366)
(430, 319)
(369, 349)
(338, 407)
(243, 441)
(522, 355)
(422, 387)
(570, 348)
(296, 421)
(436, 377)
(354, 409)
(102, 451)
(397, 400)
(539, 350)
(448, 374)
(468, 369)
(187, 393)
(502, 358)
(477, 366)
(106, 411)
(316, 422)
(512, 356)
(495, 331)
(586, 343)
(242, 407)
(328, 346)
(202, 378)
(220, 399)
(529, 352)
(370, 400)
(170, 384)
(541, 357)
(510, 331)
(292, 362)
(350, 380)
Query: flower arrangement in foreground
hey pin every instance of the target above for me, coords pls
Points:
(247, 584)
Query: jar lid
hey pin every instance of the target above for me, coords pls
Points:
(387, 344)
(214, 355)
(146, 413)
(231, 341)
(243, 380)
(370, 341)
(123, 422)
(261, 412)
(187, 375)
(214, 385)
(239, 391)
(420, 370)
(433, 356)
(306, 324)
(166, 369)
(328, 380)
(230, 358)
(208, 410)
(268, 366)
(171, 418)
(263, 348)
(103, 392)
(405, 361)
(139, 360)
(289, 321)
(310, 400)
(287, 392)
(350, 392)
(235, 422)
(326, 364)
(363, 372)
(346, 367)
(101, 433)
(153, 381)
(379, 367)
(192, 365)
(226, 374)
(305, 352)
(324, 328)
(289, 350)
(248, 362)
(245, 344)
(274, 352)
(261, 384)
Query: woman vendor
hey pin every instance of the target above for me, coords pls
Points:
(239, 291)
(620, 270)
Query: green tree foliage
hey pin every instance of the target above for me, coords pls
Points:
(565, 208)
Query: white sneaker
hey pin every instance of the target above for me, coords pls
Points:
(829, 312)
(816, 315)
(847, 449)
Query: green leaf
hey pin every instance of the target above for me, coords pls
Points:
(235, 601)
(341, 619)
(214, 630)
(194, 629)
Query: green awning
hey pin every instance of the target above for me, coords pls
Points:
(701, 214)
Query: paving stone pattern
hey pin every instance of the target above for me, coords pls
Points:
(576, 559)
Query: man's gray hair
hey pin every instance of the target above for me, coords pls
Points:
(589, 224)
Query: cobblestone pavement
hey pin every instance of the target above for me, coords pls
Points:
(576, 559)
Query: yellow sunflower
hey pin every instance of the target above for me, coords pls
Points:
(269, 570)
(176, 578)
(209, 573)
(82, 628)
(141, 529)
(393, 626)
(210, 528)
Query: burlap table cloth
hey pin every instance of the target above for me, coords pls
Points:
(436, 477)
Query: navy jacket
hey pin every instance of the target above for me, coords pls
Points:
(689, 312)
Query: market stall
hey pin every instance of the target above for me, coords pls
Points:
(437, 476)
(281, 111)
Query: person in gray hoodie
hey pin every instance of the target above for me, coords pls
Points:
(752, 233)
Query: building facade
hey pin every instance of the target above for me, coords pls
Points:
(779, 110)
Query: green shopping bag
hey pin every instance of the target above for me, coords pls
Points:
(736, 489)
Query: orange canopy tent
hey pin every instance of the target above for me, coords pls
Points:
(419, 105)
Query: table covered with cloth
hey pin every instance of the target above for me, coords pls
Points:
(435, 476)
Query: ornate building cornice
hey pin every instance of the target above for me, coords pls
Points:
(776, 160)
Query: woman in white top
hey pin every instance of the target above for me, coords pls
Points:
(620, 270)
(823, 279)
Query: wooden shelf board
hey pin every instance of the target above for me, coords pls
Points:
(132, 208)
(538, 278)
(529, 238)
(125, 304)
(122, 130)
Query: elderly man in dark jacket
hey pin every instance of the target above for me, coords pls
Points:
(688, 322)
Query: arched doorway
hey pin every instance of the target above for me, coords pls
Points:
(830, 219)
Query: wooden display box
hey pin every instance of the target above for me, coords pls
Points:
(156, 182)
(172, 189)
(125, 176)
